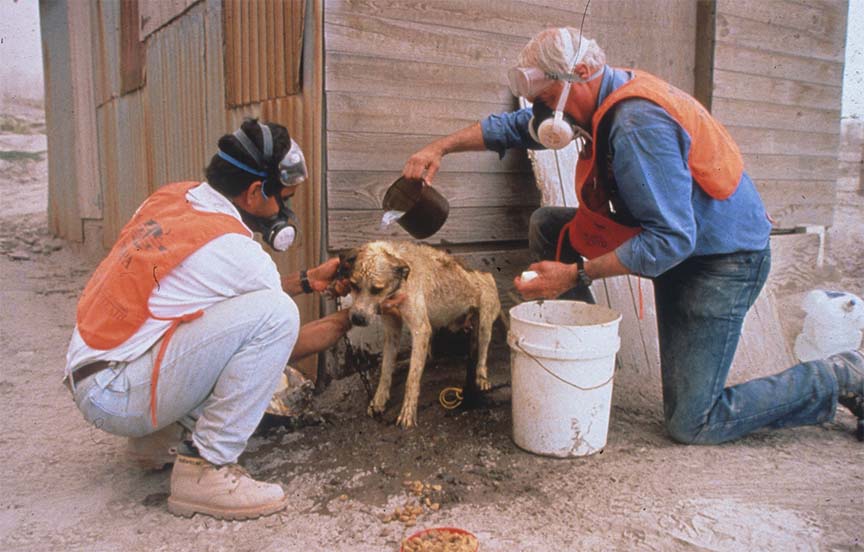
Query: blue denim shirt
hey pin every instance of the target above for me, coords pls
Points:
(649, 160)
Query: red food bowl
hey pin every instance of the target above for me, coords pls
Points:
(454, 530)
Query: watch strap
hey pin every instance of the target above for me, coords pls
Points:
(304, 282)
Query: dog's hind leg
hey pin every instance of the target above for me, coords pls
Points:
(392, 333)
(421, 333)
(490, 308)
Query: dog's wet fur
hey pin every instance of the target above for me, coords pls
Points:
(439, 293)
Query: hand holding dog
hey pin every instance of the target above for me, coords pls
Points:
(323, 278)
(390, 306)
(552, 280)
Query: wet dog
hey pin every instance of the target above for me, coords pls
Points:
(436, 292)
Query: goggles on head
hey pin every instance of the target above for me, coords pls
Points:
(291, 169)
(530, 81)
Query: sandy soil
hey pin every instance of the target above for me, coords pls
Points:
(66, 486)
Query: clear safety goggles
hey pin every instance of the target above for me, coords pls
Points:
(530, 81)
(292, 166)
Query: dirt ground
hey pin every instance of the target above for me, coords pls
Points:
(66, 485)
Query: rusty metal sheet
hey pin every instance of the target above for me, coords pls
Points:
(263, 49)
(176, 100)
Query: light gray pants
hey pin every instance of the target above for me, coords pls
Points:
(217, 377)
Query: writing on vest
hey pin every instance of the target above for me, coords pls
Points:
(714, 161)
(162, 233)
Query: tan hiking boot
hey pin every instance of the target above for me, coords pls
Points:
(224, 492)
(155, 451)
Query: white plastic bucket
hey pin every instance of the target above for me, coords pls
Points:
(562, 365)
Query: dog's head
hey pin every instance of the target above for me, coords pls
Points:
(376, 273)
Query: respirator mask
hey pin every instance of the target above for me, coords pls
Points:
(552, 130)
(279, 231)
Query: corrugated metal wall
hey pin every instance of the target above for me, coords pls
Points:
(263, 41)
(167, 130)
(400, 74)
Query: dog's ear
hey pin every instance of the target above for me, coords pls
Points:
(400, 267)
(402, 271)
(347, 258)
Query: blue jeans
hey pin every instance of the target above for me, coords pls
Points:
(217, 377)
(701, 305)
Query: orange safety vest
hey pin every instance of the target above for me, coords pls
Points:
(162, 233)
(714, 160)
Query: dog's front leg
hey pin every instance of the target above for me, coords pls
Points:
(421, 333)
(392, 333)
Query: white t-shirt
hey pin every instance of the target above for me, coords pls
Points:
(227, 266)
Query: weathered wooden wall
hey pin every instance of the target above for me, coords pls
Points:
(776, 84)
(401, 73)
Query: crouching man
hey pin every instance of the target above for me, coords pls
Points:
(187, 321)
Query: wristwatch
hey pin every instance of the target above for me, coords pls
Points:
(582, 278)
(304, 282)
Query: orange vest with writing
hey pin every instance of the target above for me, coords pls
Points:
(163, 232)
(714, 160)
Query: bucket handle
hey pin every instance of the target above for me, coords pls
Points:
(517, 343)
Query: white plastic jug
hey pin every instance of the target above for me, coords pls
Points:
(833, 324)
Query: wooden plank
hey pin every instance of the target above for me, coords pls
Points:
(706, 26)
(464, 225)
(743, 86)
(789, 209)
(387, 152)
(108, 57)
(765, 115)
(366, 189)
(774, 64)
(214, 73)
(755, 140)
(131, 49)
(511, 18)
(399, 115)
(407, 40)
(790, 167)
(370, 36)
(742, 32)
(809, 17)
(86, 177)
(63, 217)
(363, 75)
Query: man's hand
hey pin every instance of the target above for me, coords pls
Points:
(552, 280)
(424, 164)
(390, 306)
(322, 276)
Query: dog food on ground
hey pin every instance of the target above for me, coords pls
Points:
(440, 540)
